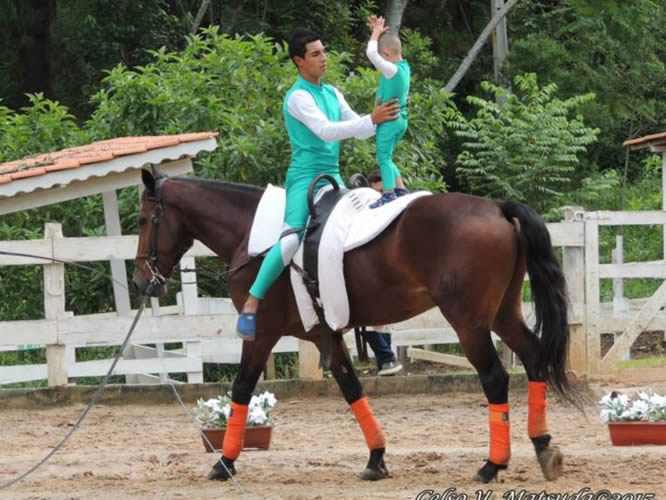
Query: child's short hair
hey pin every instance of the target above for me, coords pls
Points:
(389, 41)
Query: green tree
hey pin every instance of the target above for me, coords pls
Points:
(613, 48)
(41, 127)
(526, 145)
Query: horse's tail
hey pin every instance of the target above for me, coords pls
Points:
(549, 294)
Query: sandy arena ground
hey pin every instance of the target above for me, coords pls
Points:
(317, 452)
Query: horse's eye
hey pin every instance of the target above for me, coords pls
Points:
(141, 221)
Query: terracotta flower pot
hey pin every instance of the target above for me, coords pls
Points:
(256, 437)
(634, 433)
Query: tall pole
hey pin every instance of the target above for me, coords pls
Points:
(474, 51)
(500, 40)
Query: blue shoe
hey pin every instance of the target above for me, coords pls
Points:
(400, 192)
(246, 327)
(385, 198)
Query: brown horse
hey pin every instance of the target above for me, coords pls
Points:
(464, 254)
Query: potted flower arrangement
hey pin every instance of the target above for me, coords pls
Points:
(638, 420)
(212, 416)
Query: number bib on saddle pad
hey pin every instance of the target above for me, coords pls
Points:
(350, 225)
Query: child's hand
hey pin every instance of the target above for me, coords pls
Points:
(378, 28)
(372, 20)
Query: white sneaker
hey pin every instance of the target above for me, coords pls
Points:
(389, 368)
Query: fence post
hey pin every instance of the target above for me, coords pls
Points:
(620, 303)
(54, 306)
(308, 361)
(573, 264)
(191, 308)
(592, 294)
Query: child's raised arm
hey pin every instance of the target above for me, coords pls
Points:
(378, 27)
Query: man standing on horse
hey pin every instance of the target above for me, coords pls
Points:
(317, 117)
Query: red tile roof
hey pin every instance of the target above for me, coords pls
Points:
(648, 140)
(96, 152)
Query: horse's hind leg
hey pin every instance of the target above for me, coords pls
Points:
(253, 361)
(520, 339)
(480, 351)
(352, 390)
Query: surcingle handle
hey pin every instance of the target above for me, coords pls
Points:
(311, 189)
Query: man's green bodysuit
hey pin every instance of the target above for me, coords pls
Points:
(310, 157)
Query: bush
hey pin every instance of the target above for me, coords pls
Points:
(525, 146)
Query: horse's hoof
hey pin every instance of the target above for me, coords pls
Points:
(551, 460)
(376, 468)
(222, 472)
(488, 472)
(374, 474)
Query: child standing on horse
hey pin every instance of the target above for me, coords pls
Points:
(385, 52)
(317, 117)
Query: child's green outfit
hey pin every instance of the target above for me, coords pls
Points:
(394, 83)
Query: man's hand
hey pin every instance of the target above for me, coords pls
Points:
(390, 110)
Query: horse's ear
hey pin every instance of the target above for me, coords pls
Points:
(157, 173)
(148, 180)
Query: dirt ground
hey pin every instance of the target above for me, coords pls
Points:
(434, 442)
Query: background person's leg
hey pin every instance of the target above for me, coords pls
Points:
(378, 346)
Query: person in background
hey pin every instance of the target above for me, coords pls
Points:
(380, 342)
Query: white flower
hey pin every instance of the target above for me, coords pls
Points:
(619, 407)
(257, 416)
(658, 401)
(640, 409)
(211, 403)
(216, 412)
(268, 398)
(255, 402)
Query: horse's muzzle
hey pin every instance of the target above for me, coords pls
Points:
(149, 288)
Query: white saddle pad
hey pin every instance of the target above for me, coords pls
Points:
(350, 225)
(267, 223)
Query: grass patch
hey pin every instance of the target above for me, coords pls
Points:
(642, 363)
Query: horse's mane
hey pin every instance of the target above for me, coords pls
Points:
(221, 185)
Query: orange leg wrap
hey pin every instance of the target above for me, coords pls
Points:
(371, 430)
(235, 433)
(500, 433)
(536, 409)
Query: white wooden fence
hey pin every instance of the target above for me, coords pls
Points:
(206, 326)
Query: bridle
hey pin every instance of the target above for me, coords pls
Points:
(150, 258)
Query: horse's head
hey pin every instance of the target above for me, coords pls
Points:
(163, 238)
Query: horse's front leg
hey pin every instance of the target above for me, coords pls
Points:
(253, 360)
(352, 390)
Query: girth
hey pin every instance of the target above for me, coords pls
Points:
(319, 214)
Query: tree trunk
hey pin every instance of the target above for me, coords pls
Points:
(474, 51)
(35, 45)
(197, 21)
(394, 11)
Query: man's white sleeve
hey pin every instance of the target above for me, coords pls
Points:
(387, 68)
(301, 105)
